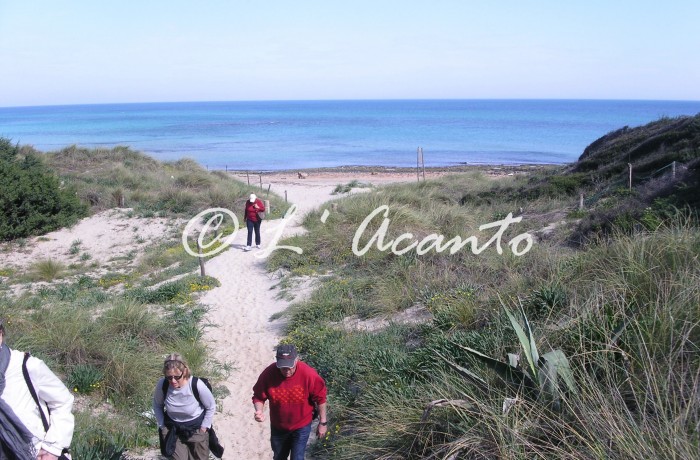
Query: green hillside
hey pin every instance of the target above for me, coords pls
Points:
(601, 313)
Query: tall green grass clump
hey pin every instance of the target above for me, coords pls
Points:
(47, 270)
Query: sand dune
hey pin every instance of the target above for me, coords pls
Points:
(240, 331)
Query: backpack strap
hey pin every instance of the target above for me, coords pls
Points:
(195, 390)
(30, 385)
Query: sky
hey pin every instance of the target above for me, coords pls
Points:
(88, 52)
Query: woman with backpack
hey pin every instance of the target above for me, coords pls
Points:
(184, 412)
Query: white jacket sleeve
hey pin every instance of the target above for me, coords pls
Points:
(59, 400)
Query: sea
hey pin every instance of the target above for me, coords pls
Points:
(284, 135)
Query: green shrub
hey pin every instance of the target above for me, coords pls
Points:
(542, 301)
(347, 188)
(85, 378)
(175, 292)
(75, 247)
(187, 323)
(112, 279)
(32, 199)
(105, 436)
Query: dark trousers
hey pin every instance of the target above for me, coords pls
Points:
(195, 447)
(253, 226)
(284, 442)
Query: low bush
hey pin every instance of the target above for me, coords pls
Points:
(84, 379)
(33, 200)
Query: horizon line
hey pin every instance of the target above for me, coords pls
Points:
(341, 100)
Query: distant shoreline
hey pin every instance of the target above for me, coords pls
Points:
(400, 169)
(376, 175)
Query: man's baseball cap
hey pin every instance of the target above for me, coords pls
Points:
(286, 354)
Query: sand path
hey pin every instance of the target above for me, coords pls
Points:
(243, 334)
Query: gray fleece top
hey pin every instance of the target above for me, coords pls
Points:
(181, 405)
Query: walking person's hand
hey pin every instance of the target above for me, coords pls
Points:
(321, 431)
(259, 416)
(43, 455)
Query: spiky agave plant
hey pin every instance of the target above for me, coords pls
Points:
(542, 375)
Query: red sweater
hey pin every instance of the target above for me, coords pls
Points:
(250, 212)
(291, 399)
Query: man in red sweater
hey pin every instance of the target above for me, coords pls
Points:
(293, 389)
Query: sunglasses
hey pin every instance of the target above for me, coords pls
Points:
(174, 377)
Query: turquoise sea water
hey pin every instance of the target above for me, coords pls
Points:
(303, 134)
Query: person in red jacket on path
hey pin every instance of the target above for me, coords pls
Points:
(253, 206)
(293, 389)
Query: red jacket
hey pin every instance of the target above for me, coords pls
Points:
(291, 399)
(250, 212)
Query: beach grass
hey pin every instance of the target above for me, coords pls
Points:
(109, 346)
(121, 177)
(623, 308)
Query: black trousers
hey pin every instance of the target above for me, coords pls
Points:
(253, 226)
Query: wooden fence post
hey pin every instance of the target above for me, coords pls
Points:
(201, 261)
(630, 165)
(418, 165)
(673, 170)
(580, 202)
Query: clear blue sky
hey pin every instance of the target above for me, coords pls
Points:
(91, 51)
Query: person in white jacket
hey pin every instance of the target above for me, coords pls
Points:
(22, 430)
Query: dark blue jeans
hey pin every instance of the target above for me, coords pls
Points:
(253, 226)
(284, 442)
